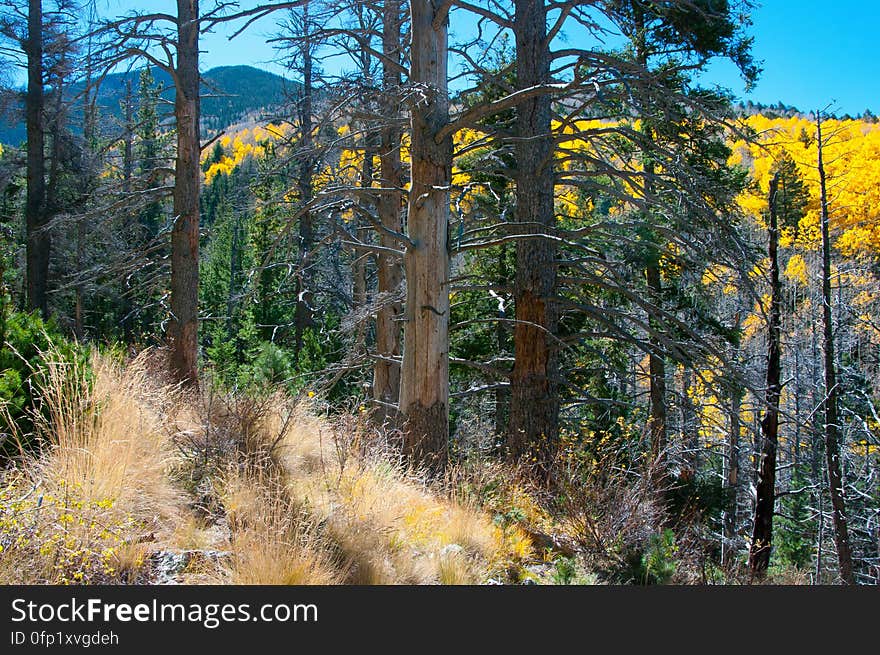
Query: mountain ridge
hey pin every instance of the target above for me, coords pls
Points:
(229, 95)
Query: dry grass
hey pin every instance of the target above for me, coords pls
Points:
(273, 542)
(307, 501)
(111, 442)
(249, 491)
(83, 510)
(388, 525)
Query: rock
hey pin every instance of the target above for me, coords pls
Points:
(167, 565)
(451, 549)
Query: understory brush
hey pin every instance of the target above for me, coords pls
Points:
(86, 507)
(141, 481)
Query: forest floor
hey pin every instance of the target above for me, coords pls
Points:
(139, 482)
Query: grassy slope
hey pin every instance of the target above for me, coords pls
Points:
(140, 483)
(143, 484)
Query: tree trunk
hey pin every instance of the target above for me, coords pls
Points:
(656, 379)
(303, 313)
(690, 427)
(36, 219)
(386, 371)
(762, 533)
(128, 138)
(731, 479)
(502, 335)
(657, 420)
(127, 175)
(359, 264)
(183, 326)
(832, 440)
(90, 142)
(424, 384)
(534, 406)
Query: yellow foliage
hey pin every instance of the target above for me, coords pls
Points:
(852, 163)
(796, 269)
(245, 143)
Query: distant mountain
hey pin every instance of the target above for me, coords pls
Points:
(230, 94)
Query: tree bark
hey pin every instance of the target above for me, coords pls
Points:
(656, 378)
(303, 312)
(502, 335)
(127, 175)
(359, 264)
(183, 325)
(36, 218)
(424, 385)
(534, 406)
(386, 371)
(690, 427)
(832, 439)
(731, 479)
(762, 533)
(657, 420)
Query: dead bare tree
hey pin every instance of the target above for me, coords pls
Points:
(830, 400)
(176, 51)
(762, 535)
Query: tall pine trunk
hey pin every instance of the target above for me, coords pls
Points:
(656, 377)
(386, 370)
(657, 420)
(36, 219)
(762, 533)
(183, 326)
(534, 402)
(424, 383)
(832, 439)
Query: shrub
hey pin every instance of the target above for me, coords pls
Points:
(271, 366)
(569, 571)
(655, 563)
(26, 339)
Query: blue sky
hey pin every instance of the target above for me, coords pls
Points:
(813, 52)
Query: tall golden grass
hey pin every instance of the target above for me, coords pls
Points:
(289, 498)
(108, 437)
(380, 522)
(82, 510)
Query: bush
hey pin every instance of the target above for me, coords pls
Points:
(794, 537)
(26, 338)
(271, 366)
(568, 571)
(655, 563)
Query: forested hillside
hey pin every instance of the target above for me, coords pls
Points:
(479, 306)
(229, 94)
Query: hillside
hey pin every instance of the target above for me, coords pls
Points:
(157, 486)
(229, 94)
